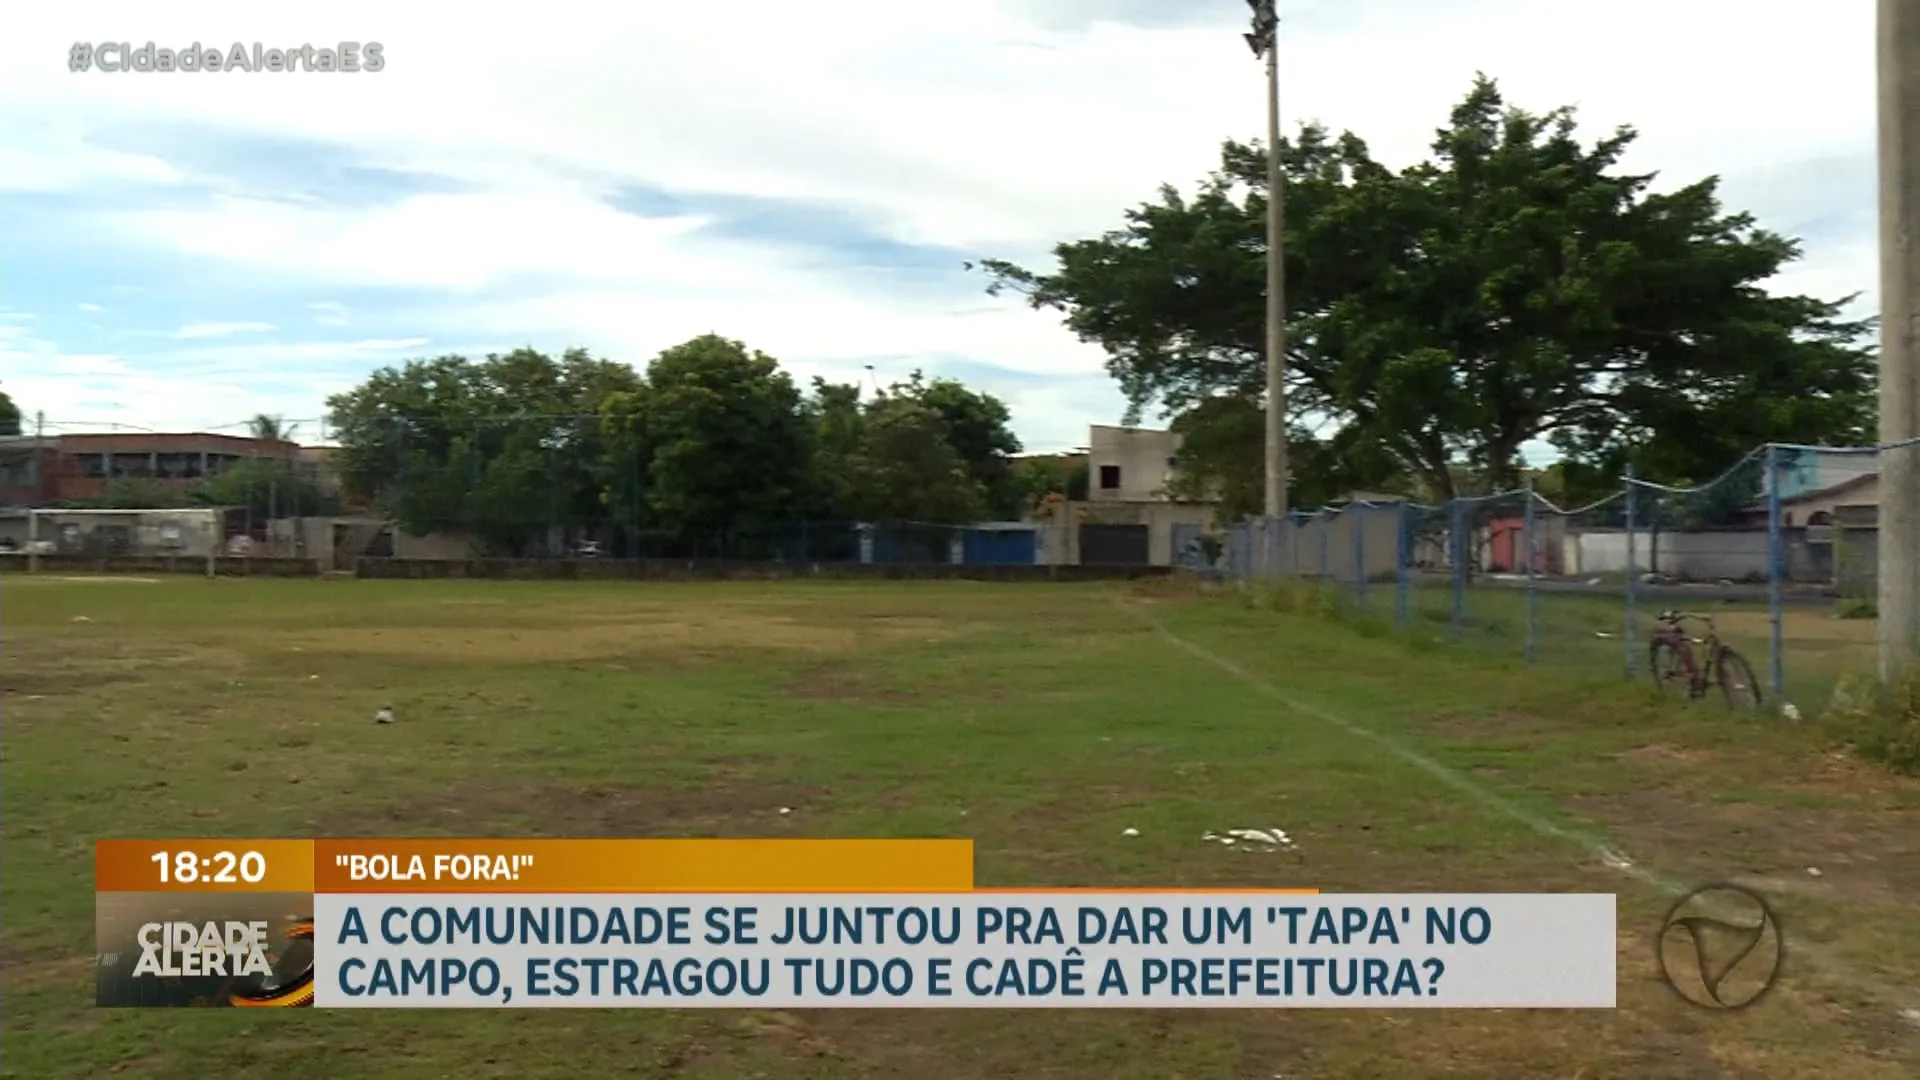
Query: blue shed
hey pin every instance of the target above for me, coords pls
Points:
(1012, 544)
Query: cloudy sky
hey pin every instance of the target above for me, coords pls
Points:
(181, 251)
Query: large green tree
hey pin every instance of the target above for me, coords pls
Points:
(9, 415)
(713, 449)
(909, 469)
(1516, 287)
(507, 448)
(726, 442)
(978, 426)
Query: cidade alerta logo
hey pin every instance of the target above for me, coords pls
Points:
(1721, 947)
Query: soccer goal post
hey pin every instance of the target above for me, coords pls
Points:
(185, 534)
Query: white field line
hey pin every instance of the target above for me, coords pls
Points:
(1902, 999)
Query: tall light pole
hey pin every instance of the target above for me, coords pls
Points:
(1264, 40)
(1899, 562)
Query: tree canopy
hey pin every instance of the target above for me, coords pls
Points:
(1516, 287)
(9, 415)
(713, 444)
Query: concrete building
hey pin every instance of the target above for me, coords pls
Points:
(1128, 518)
(68, 467)
(1129, 465)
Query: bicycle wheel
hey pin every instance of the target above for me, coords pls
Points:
(1738, 682)
(1670, 670)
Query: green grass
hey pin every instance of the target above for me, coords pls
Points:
(1040, 720)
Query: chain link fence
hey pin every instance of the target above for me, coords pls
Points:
(1780, 553)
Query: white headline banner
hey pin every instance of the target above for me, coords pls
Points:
(980, 950)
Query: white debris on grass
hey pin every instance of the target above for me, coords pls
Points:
(1789, 710)
(1129, 832)
(1267, 839)
(384, 716)
(1615, 859)
(1911, 1016)
(785, 810)
(81, 618)
(1813, 871)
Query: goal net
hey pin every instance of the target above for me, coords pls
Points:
(172, 533)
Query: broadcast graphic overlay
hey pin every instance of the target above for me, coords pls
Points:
(1721, 947)
(489, 923)
(203, 923)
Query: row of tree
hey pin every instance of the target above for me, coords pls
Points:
(712, 442)
(1516, 287)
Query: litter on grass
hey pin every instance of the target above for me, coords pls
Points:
(1251, 839)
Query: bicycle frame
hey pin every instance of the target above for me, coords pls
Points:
(1700, 672)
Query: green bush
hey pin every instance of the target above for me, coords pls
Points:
(1857, 607)
(1880, 724)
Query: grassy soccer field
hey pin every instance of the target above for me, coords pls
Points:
(1041, 720)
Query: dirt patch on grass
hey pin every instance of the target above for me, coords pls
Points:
(1661, 755)
(76, 663)
(730, 802)
(1471, 727)
(587, 639)
(43, 971)
(38, 684)
(848, 684)
(1859, 854)
(916, 627)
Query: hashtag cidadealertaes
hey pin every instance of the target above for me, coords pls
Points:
(122, 56)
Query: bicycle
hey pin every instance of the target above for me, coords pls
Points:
(1675, 665)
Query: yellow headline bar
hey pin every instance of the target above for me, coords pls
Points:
(563, 866)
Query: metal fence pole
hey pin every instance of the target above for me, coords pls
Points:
(1402, 562)
(1776, 570)
(1326, 519)
(1457, 512)
(1533, 592)
(1632, 577)
(1357, 529)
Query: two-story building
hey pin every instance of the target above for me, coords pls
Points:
(61, 468)
(1129, 517)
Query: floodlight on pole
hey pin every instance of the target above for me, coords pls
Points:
(1264, 40)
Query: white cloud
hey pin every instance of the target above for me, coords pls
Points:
(963, 125)
(40, 155)
(197, 331)
(91, 309)
(328, 313)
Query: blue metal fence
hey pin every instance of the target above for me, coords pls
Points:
(1775, 549)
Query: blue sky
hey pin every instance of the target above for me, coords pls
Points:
(183, 251)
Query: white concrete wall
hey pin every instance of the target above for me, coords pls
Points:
(1693, 556)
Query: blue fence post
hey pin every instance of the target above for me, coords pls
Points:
(1457, 530)
(1633, 578)
(1533, 594)
(1776, 569)
(1358, 529)
(1402, 562)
